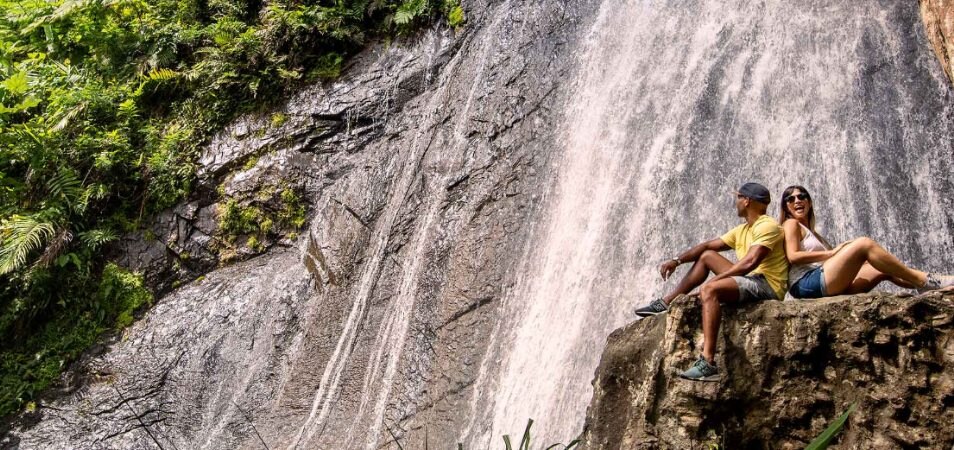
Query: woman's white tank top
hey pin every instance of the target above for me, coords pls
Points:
(809, 243)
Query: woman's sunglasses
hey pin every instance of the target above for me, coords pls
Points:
(801, 196)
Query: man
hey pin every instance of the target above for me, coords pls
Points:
(760, 274)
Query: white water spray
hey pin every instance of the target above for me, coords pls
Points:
(676, 105)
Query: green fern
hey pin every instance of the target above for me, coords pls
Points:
(66, 187)
(96, 238)
(410, 10)
(161, 75)
(403, 17)
(21, 235)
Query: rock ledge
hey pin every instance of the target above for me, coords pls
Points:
(789, 369)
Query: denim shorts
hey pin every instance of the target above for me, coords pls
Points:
(810, 285)
(754, 287)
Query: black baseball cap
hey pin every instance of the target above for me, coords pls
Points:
(756, 191)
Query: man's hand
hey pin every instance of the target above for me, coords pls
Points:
(667, 268)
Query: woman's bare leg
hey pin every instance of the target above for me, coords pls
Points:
(842, 269)
(866, 280)
(869, 277)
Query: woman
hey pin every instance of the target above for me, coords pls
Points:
(856, 266)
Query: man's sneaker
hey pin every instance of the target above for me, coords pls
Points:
(657, 306)
(935, 282)
(701, 370)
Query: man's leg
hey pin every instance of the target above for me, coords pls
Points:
(712, 295)
(709, 261)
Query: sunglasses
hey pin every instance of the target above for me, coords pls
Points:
(801, 196)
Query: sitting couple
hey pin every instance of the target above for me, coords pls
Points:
(764, 250)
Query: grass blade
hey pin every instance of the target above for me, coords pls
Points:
(822, 441)
(507, 442)
(569, 446)
(525, 442)
(393, 436)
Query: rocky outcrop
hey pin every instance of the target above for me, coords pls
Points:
(789, 368)
(938, 17)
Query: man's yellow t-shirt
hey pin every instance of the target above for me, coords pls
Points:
(767, 233)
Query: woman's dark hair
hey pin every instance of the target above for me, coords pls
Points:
(783, 213)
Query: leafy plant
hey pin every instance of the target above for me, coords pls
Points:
(22, 235)
(29, 366)
(455, 13)
(823, 440)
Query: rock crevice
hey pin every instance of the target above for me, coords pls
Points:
(938, 18)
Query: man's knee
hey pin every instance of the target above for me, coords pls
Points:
(707, 256)
(719, 292)
(709, 293)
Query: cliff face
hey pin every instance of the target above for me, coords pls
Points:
(789, 368)
(938, 17)
(421, 169)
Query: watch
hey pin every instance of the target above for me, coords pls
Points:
(678, 261)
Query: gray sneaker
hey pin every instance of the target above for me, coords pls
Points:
(701, 370)
(657, 306)
(935, 282)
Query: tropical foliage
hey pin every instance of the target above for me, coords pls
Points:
(104, 105)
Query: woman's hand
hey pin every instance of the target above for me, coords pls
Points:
(837, 249)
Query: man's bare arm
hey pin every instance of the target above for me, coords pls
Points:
(667, 268)
(752, 259)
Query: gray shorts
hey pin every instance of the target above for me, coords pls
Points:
(754, 287)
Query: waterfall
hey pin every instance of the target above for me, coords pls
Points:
(488, 204)
(674, 106)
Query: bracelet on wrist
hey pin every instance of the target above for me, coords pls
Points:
(677, 260)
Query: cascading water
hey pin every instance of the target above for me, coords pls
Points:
(620, 127)
(675, 105)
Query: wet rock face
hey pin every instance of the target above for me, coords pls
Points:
(421, 173)
(938, 17)
(789, 368)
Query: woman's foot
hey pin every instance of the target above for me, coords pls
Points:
(935, 282)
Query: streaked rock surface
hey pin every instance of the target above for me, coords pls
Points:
(422, 169)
